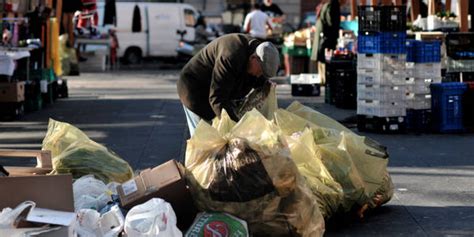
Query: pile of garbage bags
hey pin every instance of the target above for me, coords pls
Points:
(275, 172)
(287, 172)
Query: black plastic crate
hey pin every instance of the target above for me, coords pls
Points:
(382, 18)
(468, 105)
(460, 45)
(375, 124)
(452, 77)
(305, 89)
(335, 69)
(467, 76)
(345, 89)
(418, 120)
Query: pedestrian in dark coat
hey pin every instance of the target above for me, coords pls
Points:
(327, 33)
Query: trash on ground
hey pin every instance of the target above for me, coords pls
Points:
(75, 153)
(217, 224)
(154, 218)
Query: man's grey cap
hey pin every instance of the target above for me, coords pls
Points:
(268, 54)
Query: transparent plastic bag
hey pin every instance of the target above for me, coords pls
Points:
(154, 218)
(246, 171)
(357, 163)
(60, 136)
(74, 153)
(90, 223)
(9, 216)
(90, 193)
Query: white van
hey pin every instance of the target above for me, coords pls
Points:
(160, 27)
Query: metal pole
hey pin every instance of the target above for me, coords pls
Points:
(463, 7)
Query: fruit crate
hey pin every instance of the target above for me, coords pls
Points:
(382, 18)
(420, 85)
(418, 120)
(376, 124)
(381, 61)
(382, 42)
(380, 92)
(461, 65)
(447, 106)
(305, 89)
(423, 70)
(423, 51)
(378, 77)
(460, 45)
(381, 108)
(418, 101)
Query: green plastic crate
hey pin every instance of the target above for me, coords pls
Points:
(298, 51)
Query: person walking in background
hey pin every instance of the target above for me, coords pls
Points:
(256, 23)
(273, 11)
(326, 34)
(223, 72)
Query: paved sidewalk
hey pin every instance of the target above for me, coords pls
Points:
(137, 114)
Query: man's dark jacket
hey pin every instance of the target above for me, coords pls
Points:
(217, 76)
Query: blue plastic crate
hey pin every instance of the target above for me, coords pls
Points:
(369, 42)
(382, 42)
(423, 51)
(446, 106)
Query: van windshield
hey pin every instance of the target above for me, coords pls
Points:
(189, 18)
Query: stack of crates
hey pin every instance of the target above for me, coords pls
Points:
(423, 68)
(460, 51)
(381, 60)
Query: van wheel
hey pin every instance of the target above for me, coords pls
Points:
(133, 56)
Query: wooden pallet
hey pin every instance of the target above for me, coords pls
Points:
(43, 162)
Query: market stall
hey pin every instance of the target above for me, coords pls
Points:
(31, 69)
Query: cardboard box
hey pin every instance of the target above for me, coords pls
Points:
(12, 92)
(166, 182)
(47, 191)
(43, 162)
(51, 193)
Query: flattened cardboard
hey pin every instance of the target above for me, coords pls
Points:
(165, 182)
(47, 191)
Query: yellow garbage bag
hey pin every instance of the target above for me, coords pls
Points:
(60, 135)
(74, 153)
(318, 178)
(358, 163)
(246, 171)
(336, 162)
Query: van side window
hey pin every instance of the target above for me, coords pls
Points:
(189, 18)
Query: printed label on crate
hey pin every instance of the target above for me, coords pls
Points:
(305, 78)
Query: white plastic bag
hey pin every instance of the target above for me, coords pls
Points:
(8, 216)
(90, 193)
(91, 224)
(154, 218)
